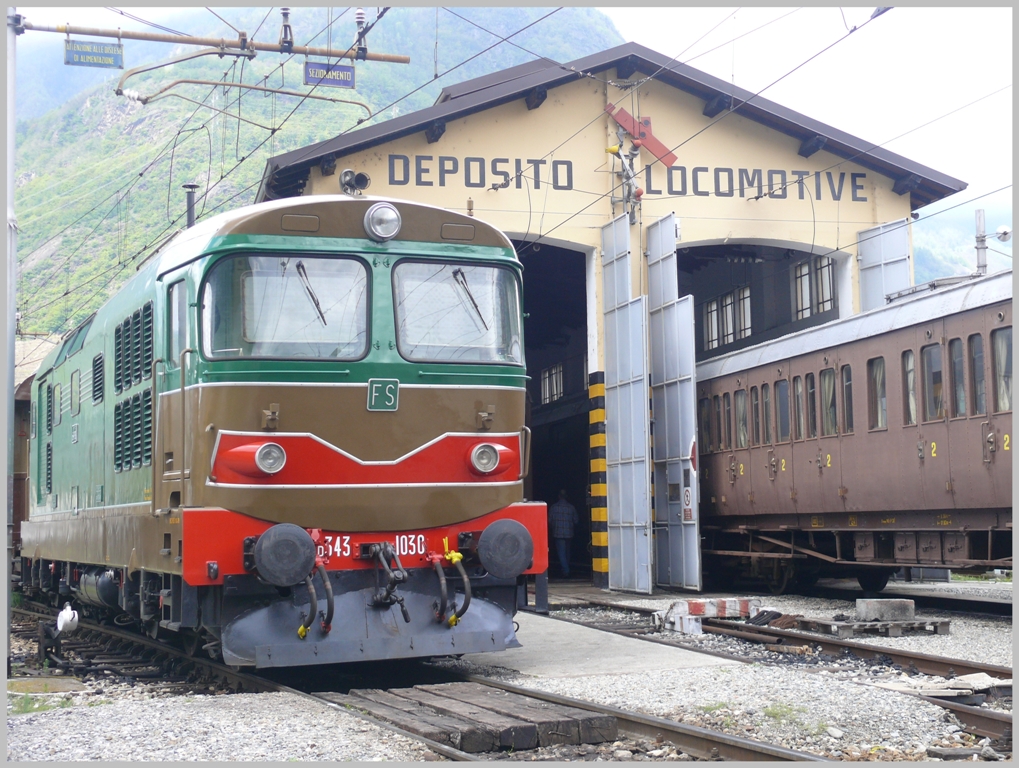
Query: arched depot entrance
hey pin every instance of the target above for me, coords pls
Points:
(556, 343)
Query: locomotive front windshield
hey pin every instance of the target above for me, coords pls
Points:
(292, 306)
(457, 313)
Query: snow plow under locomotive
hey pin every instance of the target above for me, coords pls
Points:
(296, 436)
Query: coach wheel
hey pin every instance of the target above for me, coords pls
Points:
(873, 581)
(779, 581)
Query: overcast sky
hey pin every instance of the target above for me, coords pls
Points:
(903, 69)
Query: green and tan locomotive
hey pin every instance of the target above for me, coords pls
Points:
(296, 436)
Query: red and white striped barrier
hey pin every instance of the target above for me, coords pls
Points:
(685, 615)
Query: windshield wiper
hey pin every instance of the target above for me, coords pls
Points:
(461, 279)
(303, 274)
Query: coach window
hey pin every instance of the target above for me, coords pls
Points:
(829, 420)
(908, 387)
(740, 396)
(766, 418)
(1001, 345)
(811, 405)
(719, 438)
(877, 404)
(847, 399)
(958, 371)
(727, 417)
(976, 372)
(933, 383)
(755, 407)
(704, 423)
(75, 393)
(782, 411)
(798, 404)
(177, 297)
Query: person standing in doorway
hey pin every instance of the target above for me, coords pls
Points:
(562, 517)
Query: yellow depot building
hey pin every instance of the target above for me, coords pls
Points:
(610, 173)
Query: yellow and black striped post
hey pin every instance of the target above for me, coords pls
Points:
(599, 491)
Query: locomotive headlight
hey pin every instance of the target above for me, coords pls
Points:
(485, 458)
(382, 222)
(270, 458)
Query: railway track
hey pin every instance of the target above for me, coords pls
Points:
(108, 651)
(979, 721)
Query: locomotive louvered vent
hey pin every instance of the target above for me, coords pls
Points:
(147, 340)
(132, 432)
(49, 409)
(49, 467)
(118, 359)
(136, 431)
(133, 349)
(118, 437)
(98, 378)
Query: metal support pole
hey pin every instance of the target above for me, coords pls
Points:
(7, 291)
(981, 244)
(189, 189)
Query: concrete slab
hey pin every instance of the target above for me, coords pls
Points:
(45, 685)
(883, 609)
(554, 648)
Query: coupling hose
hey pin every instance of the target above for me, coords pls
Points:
(455, 618)
(440, 609)
(302, 631)
(327, 622)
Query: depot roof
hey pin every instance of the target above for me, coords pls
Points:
(286, 175)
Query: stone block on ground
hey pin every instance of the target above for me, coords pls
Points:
(897, 609)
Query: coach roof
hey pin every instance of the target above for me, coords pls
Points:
(284, 174)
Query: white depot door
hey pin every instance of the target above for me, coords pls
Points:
(627, 421)
(674, 415)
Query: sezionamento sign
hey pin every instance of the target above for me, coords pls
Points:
(79, 53)
(335, 75)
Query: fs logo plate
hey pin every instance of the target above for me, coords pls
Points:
(383, 394)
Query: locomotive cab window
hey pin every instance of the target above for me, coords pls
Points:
(450, 312)
(908, 388)
(1001, 347)
(877, 403)
(933, 383)
(285, 306)
(177, 299)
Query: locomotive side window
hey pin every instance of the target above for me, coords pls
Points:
(75, 393)
(740, 398)
(704, 423)
(933, 383)
(782, 411)
(755, 407)
(811, 406)
(847, 399)
(877, 404)
(720, 441)
(727, 418)
(976, 372)
(1001, 345)
(766, 402)
(177, 298)
(457, 312)
(798, 402)
(829, 420)
(958, 372)
(289, 306)
(908, 387)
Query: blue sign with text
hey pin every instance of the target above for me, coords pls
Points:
(80, 53)
(335, 75)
